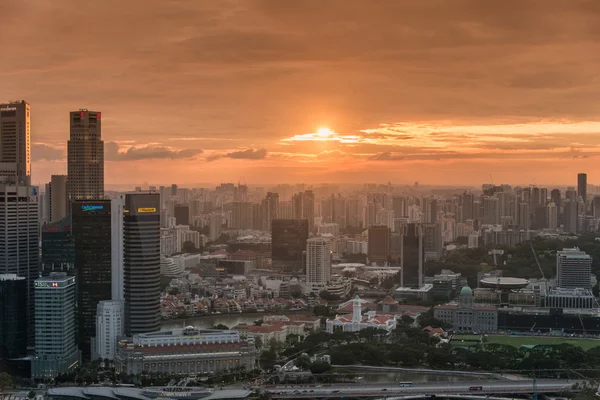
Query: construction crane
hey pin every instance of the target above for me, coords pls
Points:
(537, 261)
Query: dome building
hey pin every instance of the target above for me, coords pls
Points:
(466, 316)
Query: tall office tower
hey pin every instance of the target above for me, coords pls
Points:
(55, 347)
(85, 156)
(288, 243)
(257, 221)
(582, 189)
(303, 205)
(141, 263)
(174, 189)
(109, 327)
(318, 260)
(524, 216)
(15, 141)
(57, 198)
(13, 316)
(379, 243)
(571, 216)
(432, 241)
(19, 238)
(92, 237)
(270, 210)
(285, 210)
(491, 210)
(241, 215)
(412, 255)
(117, 212)
(504, 202)
(573, 269)
(430, 209)
(552, 216)
(182, 214)
(58, 247)
(241, 193)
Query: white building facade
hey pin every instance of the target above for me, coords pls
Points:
(109, 328)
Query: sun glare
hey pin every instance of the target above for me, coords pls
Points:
(324, 132)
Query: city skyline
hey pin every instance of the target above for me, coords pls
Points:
(233, 90)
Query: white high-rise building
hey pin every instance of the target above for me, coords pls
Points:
(215, 226)
(552, 216)
(117, 212)
(573, 269)
(109, 327)
(318, 260)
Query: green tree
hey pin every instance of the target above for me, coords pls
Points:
(267, 359)
(221, 327)
(6, 382)
(319, 367)
(303, 362)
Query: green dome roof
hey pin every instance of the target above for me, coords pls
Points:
(466, 291)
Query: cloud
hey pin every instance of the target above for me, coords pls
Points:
(112, 153)
(44, 152)
(248, 154)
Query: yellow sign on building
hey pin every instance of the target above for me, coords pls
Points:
(146, 210)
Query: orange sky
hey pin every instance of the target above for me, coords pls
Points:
(208, 91)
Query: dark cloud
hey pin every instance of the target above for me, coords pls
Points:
(248, 154)
(112, 153)
(43, 152)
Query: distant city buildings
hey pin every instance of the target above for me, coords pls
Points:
(573, 269)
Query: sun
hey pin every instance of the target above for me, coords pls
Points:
(324, 132)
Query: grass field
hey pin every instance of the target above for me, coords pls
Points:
(518, 341)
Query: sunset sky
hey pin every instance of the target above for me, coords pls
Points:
(440, 92)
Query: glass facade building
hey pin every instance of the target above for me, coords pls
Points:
(288, 237)
(13, 316)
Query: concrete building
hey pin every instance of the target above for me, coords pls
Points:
(573, 269)
(85, 150)
(15, 141)
(552, 216)
(110, 320)
(466, 316)
(318, 260)
(187, 351)
(288, 244)
(141, 263)
(56, 351)
(117, 212)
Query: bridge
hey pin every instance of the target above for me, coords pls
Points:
(419, 390)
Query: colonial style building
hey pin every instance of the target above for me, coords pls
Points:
(358, 321)
(467, 317)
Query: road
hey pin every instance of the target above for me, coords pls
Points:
(379, 390)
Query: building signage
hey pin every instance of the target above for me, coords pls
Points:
(9, 109)
(55, 284)
(92, 207)
(146, 210)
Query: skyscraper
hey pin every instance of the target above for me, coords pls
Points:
(109, 327)
(141, 263)
(582, 189)
(573, 269)
(303, 206)
(182, 214)
(15, 140)
(85, 156)
(318, 261)
(117, 211)
(19, 237)
(92, 239)
(288, 242)
(13, 316)
(56, 196)
(379, 243)
(55, 348)
(552, 216)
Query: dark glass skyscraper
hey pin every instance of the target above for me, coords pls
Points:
(182, 214)
(13, 316)
(582, 188)
(141, 262)
(92, 238)
(58, 248)
(85, 156)
(288, 242)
